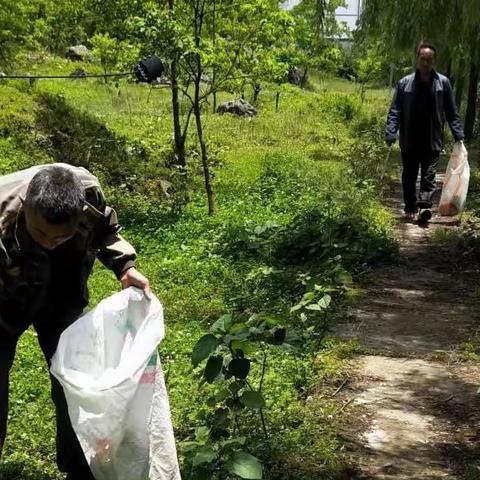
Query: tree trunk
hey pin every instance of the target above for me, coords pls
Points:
(277, 101)
(459, 87)
(257, 88)
(179, 138)
(212, 207)
(214, 40)
(197, 111)
(303, 80)
(472, 98)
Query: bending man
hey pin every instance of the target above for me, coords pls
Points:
(54, 223)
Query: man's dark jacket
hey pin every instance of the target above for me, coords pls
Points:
(402, 112)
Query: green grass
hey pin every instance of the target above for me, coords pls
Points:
(292, 203)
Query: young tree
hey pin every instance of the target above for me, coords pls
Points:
(199, 37)
(315, 27)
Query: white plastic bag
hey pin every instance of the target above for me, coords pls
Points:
(455, 186)
(108, 365)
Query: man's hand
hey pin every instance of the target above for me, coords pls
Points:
(133, 278)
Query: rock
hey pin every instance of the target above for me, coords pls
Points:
(163, 80)
(295, 76)
(78, 53)
(205, 78)
(238, 107)
(79, 73)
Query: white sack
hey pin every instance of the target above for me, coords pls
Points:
(108, 365)
(455, 186)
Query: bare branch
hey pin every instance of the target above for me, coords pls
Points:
(187, 121)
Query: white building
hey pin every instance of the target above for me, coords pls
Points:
(350, 14)
(289, 4)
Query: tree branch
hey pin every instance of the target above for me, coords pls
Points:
(187, 121)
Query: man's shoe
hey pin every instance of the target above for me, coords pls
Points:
(424, 216)
(410, 216)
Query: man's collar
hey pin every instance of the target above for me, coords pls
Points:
(434, 74)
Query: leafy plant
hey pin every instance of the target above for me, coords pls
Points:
(228, 353)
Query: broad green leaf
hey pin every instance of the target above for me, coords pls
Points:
(253, 400)
(279, 336)
(223, 324)
(204, 455)
(239, 367)
(204, 347)
(237, 328)
(240, 336)
(213, 368)
(314, 306)
(233, 442)
(344, 277)
(245, 466)
(188, 447)
(221, 420)
(325, 301)
(222, 395)
(202, 434)
(309, 296)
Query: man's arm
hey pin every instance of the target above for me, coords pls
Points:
(114, 251)
(451, 112)
(393, 118)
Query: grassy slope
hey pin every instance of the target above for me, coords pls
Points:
(268, 169)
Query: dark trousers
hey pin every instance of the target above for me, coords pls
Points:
(426, 162)
(52, 320)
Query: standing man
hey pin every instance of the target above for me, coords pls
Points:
(423, 101)
(54, 223)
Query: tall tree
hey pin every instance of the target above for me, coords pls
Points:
(315, 28)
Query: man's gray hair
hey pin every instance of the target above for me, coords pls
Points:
(57, 194)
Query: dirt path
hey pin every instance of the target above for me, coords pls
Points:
(416, 409)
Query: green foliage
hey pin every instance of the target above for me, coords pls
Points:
(112, 54)
(245, 466)
(315, 26)
(373, 65)
(55, 25)
(236, 43)
(396, 30)
(106, 49)
(230, 349)
(12, 27)
(283, 182)
(368, 152)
